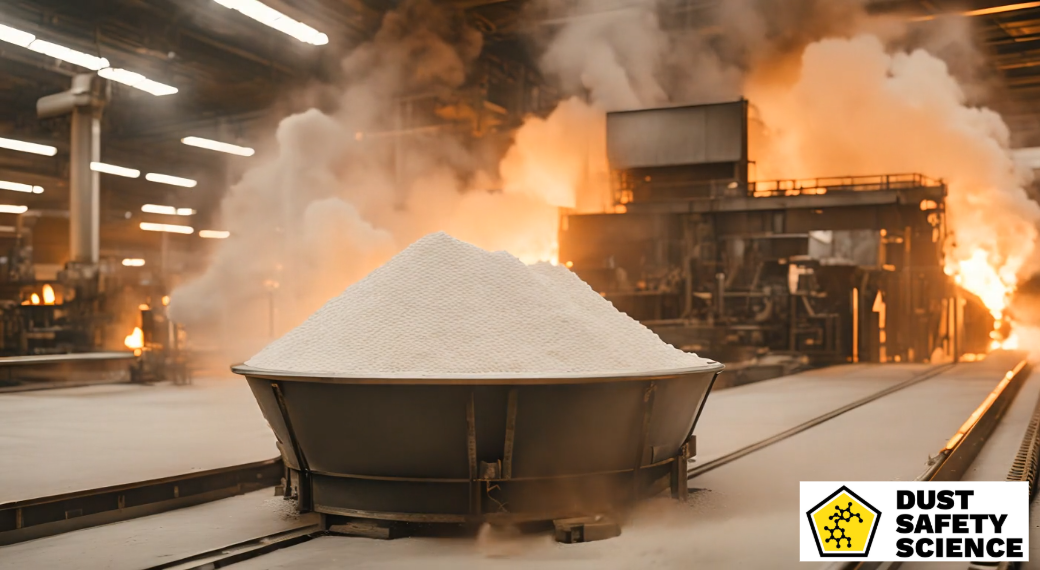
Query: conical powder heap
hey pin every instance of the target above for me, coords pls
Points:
(444, 307)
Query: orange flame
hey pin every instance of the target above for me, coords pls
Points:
(35, 299)
(135, 340)
(48, 295)
(977, 275)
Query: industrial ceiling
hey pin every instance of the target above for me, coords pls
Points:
(236, 76)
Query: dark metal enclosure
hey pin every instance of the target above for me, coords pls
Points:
(823, 270)
(469, 449)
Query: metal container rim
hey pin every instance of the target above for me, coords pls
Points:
(244, 370)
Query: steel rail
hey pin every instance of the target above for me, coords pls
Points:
(961, 450)
(56, 514)
(241, 551)
(749, 449)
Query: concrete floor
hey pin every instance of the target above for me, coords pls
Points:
(727, 423)
(57, 441)
(889, 439)
(745, 516)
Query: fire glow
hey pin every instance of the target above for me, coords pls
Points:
(135, 340)
(994, 288)
(48, 295)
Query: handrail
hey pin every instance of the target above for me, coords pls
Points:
(824, 185)
(715, 189)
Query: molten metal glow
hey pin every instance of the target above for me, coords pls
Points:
(135, 340)
(48, 295)
(35, 299)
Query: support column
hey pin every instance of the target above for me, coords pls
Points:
(84, 186)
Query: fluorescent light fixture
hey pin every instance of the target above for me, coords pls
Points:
(23, 146)
(171, 228)
(218, 146)
(172, 180)
(16, 37)
(94, 63)
(214, 234)
(157, 209)
(113, 169)
(270, 17)
(8, 209)
(19, 187)
(137, 81)
(68, 55)
(167, 210)
(133, 262)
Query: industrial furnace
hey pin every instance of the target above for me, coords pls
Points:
(841, 269)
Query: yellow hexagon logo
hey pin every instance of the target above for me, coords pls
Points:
(843, 524)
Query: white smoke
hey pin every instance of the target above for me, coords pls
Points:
(857, 108)
(837, 91)
(342, 192)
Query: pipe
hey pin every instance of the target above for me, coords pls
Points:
(720, 304)
(85, 100)
(84, 184)
(855, 324)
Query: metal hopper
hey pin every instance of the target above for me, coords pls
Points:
(465, 449)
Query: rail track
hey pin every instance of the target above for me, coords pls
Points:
(47, 516)
(949, 463)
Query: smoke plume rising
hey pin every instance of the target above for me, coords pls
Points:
(835, 91)
(340, 193)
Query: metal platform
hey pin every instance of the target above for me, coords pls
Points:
(43, 371)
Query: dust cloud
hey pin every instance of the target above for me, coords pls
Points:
(834, 90)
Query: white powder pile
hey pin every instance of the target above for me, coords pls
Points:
(445, 307)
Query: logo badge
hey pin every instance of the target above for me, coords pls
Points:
(843, 524)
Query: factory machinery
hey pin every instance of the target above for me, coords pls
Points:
(65, 314)
(823, 271)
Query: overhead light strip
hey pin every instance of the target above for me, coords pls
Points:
(169, 228)
(270, 17)
(72, 56)
(113, 169)
(214, 234)
(19, 187)
(218, 146)
(167, 210)
(171, 180)
(99, 64)
(981, 12)
(137, 81)
(9, 209)
(1001, 9)
(23, 146)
